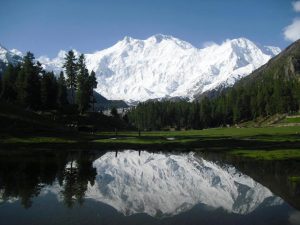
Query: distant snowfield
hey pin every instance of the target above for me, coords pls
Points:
(164, 66)
(167, 185)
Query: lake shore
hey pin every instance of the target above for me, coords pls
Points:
(267, 143)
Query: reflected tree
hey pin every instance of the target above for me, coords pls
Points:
(76, 178)
(23, 175)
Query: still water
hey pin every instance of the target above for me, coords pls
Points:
(140, 187)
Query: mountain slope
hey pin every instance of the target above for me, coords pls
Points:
(272, 89)
(13, 56)
(285, 64)
(163, 66)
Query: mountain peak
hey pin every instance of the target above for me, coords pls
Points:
(250, 45)
(241, 40)
(127, 39)
(6, 57)
(3, 50)
(155, 39)
(161, 37)
(162, 65)
(17, 52)
(241, 43)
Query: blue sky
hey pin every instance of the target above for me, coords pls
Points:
(45, 27)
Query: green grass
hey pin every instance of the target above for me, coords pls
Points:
(217, 139)
(272, 143)
(22, 129)
(12, 140)
(294, 179)
(283, 154)
(292, 120)
(215, 132)
(267, 134)
(145, 140)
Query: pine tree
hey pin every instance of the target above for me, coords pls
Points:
(70, 69)
(1, 83)
(9, 89)
(83, 86)
(20, 85)
(48, 91)
(62, 95)
(205, 112)
(31, 81)
(114, 112)
(93, 85)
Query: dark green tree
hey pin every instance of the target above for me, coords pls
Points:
(93, 85)
(83, 86)
(9, 89)
(32, 75)
(62, 95)
(114, 112)
(70, 70)
(20, 85)
(49, 91)
(205, 112)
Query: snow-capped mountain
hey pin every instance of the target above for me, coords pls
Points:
(9, 56)
(164, 66)
(167, 185)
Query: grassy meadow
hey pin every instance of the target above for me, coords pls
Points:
(268, 143)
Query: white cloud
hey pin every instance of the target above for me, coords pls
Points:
(296, 6)
(292, 31)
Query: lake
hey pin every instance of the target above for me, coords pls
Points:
(142, 187)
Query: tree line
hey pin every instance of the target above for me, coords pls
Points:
(30, 86)
(247, 100)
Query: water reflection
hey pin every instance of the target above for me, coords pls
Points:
(275, 175)
(160, 185)
(164, 185)
(25, 176)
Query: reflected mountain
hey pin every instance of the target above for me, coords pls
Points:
(160, 185)
(275, 175)
(167, 184)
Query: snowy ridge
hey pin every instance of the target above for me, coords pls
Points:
(55, 64)
(163, 66)
(9, 56)
(160, 184)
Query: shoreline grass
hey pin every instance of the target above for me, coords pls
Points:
(270, 143)
(283, 154)
(294, 179)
